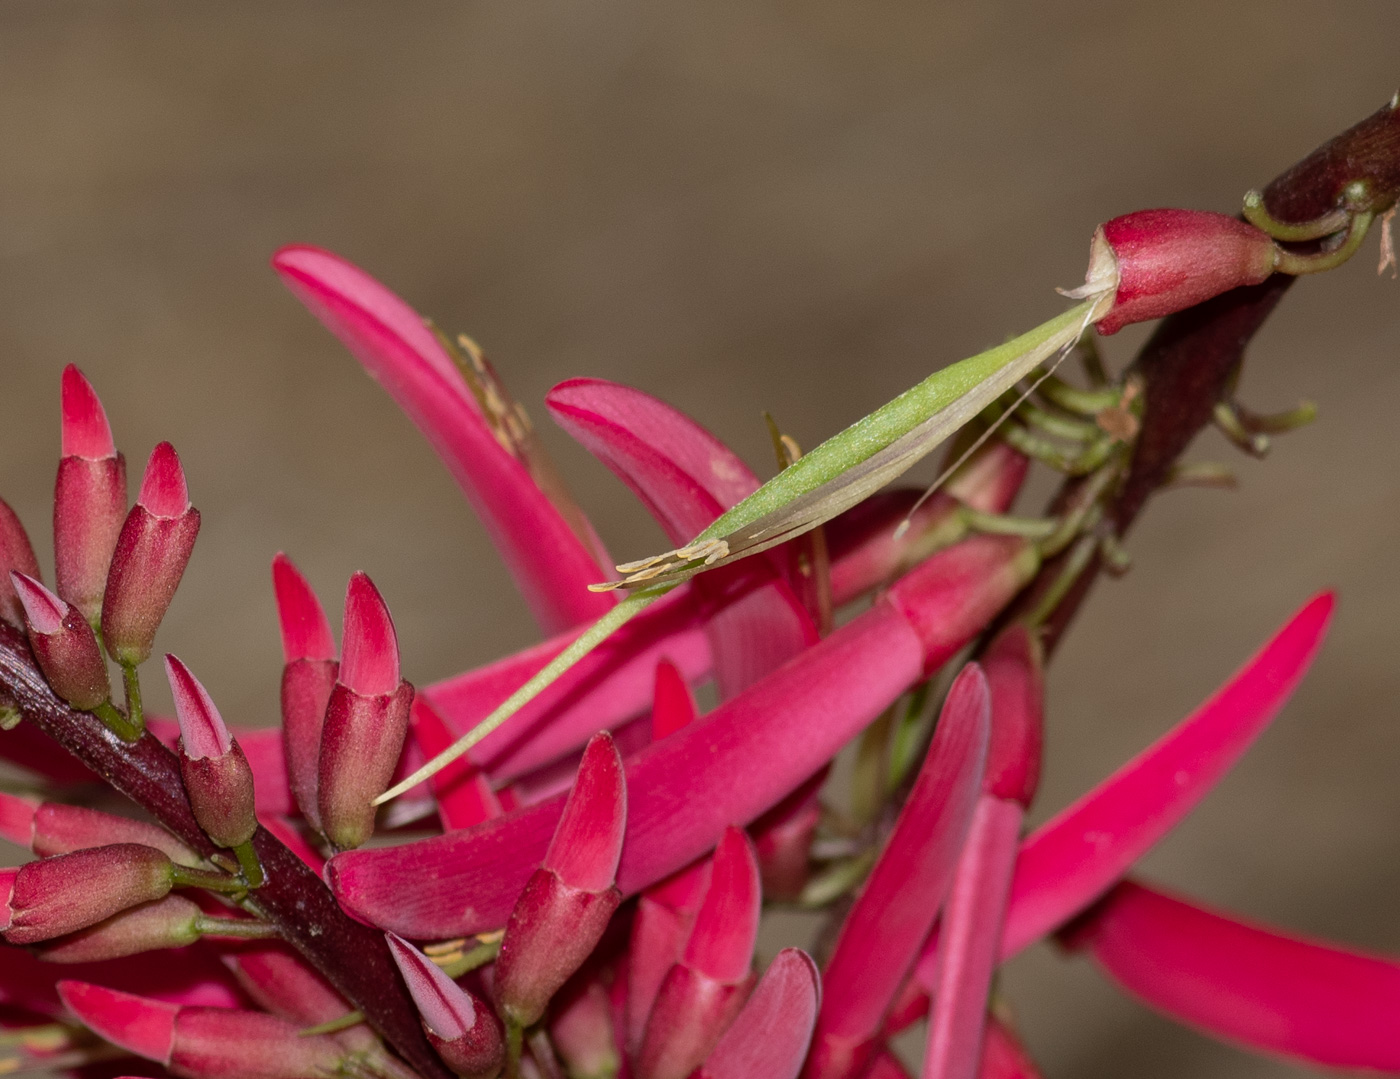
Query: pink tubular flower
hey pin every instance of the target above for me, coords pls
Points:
(1164, 261)
(64, 645)
(366, 719)
(730, 765)
(552, 565)
(171, 922)
(308, 675)
(151, 553)
(73, 891)
(216, 773)
(768, 1039)
(565, 907)
(89, 501)
(16, 555)
(972, 922)
(462, 1028)
(705, 989)
(202, 1043)
(1249, 984)
(880, 938)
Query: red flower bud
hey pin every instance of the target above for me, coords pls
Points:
(564, 909)
(769, 1038)
(461, 1027)
(89, 502)
(164, 923)
(203, 1043)
(705, 990)
(366, 719)
(16, 553)
(64, 645)
(307, 680)
(1164, 261)
(216, 773)
(581, 1029)
(1012, 665)
(73, 891)
(150, 558)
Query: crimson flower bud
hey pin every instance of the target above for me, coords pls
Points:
(73, 891)
(1015, 678)
(216, 773)
(16, 554)
(1164, 261)
(460, 1026)
(366, 719)
(705, 990)
(89, 498)
(152, 551)
(64, 645)
(307, 679)
(203, 1043)
(165, 923)
(61, 829)
(563, 911)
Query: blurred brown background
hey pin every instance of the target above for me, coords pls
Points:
(736, 206)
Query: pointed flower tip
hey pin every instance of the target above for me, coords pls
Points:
(139, 1025)
(721, 944)
(673, 707)
(588, 842)
(202, 730)
(369, 663)
(306, 632)
(1015, 679)
(86, 432)
(770, 1037)
(445, 1006)
(42, 608)
(164, 492)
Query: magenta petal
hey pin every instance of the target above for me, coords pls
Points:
(768, 1039)
(881, 935)
(1071, 860)
(588, 842)
(445, 1006)
(86, 432)
(1246, 983)
(1003, 1056)
(202, 730)
(673, 706)
(464, 797)
(369, 663)
(610, 685)
(727, 767)
(138, 1024)
(726, 925)
(164, 492)
(683, 474)
(306, 632)
(17, 818)
(551, 566)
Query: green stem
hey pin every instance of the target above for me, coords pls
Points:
(187, 877)
(1290, 263)
(1081, 554)
(334, 1026)
(514, 1035)
(1073, 399)
(131, 682)
(477, 957)
(233, 928)
(116, 722)
(249, 864)
(1257, 214)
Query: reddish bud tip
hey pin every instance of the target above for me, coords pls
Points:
(588, 841)
(726, 926)
(137, 1024)
(306, 632)
(202, 730)
(446, 1007)
(86, 432)
(16, 553)
(1013, 668)
(164, 492)
(44, 611)
(672, 706)
(369, 664)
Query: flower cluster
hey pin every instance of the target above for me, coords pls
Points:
(589, 902)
